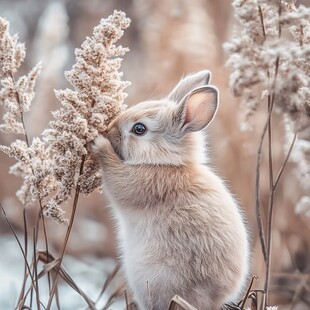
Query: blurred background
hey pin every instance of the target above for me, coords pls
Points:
(167, 39)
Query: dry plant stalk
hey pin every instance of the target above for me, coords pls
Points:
(56, 164)
(270, 61)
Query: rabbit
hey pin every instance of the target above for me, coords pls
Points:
(180, 231)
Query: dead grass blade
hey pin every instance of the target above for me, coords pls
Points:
(22, 291)
(259, 221)
(64, 246)
(35, 268)
(178, 301)
(118, 292)
(248, 292)
(19, 244)
(230, 307)
(30, 290)
(255, 304)
(108, 281)
(51, 265)
(254, 301)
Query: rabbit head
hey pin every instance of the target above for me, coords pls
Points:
(167, 131)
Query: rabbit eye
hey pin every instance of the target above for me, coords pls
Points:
(139, 129)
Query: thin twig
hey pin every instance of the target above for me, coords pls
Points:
(271, 201)
(267, 126)
(271, 208)
(74, 207)
(108, 280)
(271, 100)
(279, 17)
(285, 162)
(177, 300)
(118, 292)
(41, 215)
(21, 111)
(261, 16)
(35, 267)
(302, 34)
(257, 193)
(22, 291)
(50, 265)
(248, 292)
(39, 218)
(19, 244)
(270, 160)
(269, 241)
(258, 165)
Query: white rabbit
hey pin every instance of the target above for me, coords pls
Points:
(180, 230)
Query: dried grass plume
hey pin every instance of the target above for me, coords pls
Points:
(270, 62)
(57, 164)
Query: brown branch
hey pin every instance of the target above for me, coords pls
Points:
(270, 217)
(261, 16)
(285, 161)
(271, 99)
(19, 244)
(257, 196)
(271, 181)
(271, 209)
(302, 34)
(279, 16)
(21, 111)
(35, 268)
(74, 207)
(271, 200)
(248, 292)
(40, 215)
(22, 291)
(270, 160)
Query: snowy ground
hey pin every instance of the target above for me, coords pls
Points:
(89, 273)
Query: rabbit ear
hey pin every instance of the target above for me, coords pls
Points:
(197, 109)
(189, 83)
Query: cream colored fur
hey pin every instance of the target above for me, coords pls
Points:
(180, 230)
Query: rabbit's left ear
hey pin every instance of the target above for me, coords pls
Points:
(188, 83)
(197, 109)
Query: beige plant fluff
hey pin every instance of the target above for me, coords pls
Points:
(180, 230)
(59, 163)
(276, 34)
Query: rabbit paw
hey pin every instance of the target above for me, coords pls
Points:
(101, 146)
(103, 150)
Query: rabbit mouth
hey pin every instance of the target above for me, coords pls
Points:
(117, 150)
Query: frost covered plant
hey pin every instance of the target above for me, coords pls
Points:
(15, 95)
(57, 164)
(87, 110)
(270, 61)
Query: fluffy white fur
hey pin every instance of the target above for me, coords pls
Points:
(179, 228)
